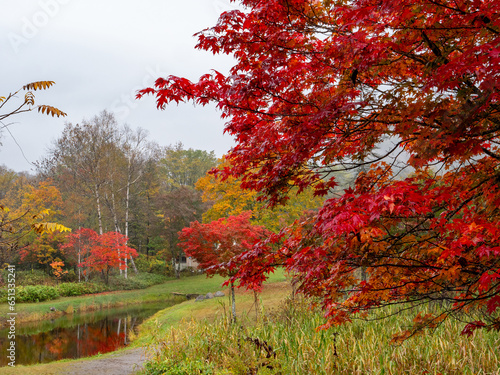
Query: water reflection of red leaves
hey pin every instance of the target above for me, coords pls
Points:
(100, 340)
(57, 347)
(112, 343)
(72, 342)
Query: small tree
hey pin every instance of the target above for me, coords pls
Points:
(78, 247)
(98, 253)
(110, 251)
(213, 245)
(42, 249)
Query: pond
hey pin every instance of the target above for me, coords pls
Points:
(76, 335)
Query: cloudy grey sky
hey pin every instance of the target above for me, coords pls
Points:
(99, 53)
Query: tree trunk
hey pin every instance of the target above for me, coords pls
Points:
(127, 195)
(178, 272)
(98, 203)
(127, 208)
(133, 265)
(256, 303)
(233, 305)
(79, 262)
(117, 230)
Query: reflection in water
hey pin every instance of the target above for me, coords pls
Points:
(75, 336)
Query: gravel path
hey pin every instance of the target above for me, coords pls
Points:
(123, 363)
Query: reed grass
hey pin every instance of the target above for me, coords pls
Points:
(286, 341)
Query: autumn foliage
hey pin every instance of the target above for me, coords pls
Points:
(217, 245)
(227, 198)
(404, 92)
(214, 244)
(100, 253)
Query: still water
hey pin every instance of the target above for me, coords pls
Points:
(76, 335)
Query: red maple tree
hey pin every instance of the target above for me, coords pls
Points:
(215, 244)
(110, 251)
(96, 252)
(403, 93)
(78, 247)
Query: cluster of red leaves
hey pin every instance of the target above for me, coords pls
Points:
(317, 86)
(98, 252)
(215, 244)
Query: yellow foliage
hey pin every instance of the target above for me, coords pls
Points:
(230, 199)
(40, 85)
(57, 265)
(29, 98)
(41, 228)
(51, 110)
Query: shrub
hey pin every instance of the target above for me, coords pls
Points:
(78, 289)
(36, 293)
(33, 277)
(159, 267)
(152, 265)
(142, 263)
(120, 283)
(69, 277)
(150, 279)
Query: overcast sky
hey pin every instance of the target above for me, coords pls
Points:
(99, 53)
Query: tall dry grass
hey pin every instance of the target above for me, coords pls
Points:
(285, 341)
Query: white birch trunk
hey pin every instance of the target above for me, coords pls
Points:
(117, 230)
(98, 203)
(127, 206)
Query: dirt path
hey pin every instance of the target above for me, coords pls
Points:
(123, 363)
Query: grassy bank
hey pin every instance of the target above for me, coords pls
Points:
(29, 312)
(39, 287)
(285, 340)
(177, 316)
